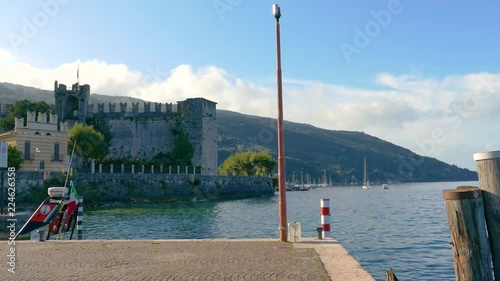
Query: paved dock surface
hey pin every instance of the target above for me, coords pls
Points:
(177, 260)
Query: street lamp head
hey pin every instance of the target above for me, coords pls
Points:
(276, 12)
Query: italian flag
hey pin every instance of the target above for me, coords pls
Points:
(73, 200)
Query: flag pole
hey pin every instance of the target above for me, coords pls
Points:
(69, 164)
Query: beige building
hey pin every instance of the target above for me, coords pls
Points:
(43, 145)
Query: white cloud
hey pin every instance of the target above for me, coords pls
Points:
(6, 57)
(441, 118)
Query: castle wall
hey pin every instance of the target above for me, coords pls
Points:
(104, 188)
(135, 138)
(155, 187)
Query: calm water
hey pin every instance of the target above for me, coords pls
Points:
(404, 227)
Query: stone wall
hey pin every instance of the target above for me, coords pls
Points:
(101, 188)
(24, 181)
(127, 188)
(132, 138)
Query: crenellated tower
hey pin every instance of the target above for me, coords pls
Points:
(71, 105)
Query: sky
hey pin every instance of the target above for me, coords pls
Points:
(424, 75)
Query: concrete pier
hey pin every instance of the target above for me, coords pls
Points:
(219, 259)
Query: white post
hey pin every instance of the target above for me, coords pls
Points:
(325, 215)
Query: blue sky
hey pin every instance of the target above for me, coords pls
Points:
(412, 61)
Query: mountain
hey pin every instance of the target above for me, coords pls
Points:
(310, 152)
(339, 154)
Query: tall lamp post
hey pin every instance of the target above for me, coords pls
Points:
(281, 146)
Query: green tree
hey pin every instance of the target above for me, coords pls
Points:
(182, 150)
(102, 126)
(14, 157)
(248, 164)
(90, 144)
(19, 110)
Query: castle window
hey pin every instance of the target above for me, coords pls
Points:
(42, 165)
(48, 134)
(37, 133)
(56, 151)
(27, 148)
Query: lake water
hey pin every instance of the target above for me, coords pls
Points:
(404, 228)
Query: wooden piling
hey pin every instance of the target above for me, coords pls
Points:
(471, 250)
(488, 170)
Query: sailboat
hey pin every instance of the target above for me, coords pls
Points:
(366, 183)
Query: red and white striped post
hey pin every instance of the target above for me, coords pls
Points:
(325, 215)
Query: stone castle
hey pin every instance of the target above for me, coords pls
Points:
(140, 131)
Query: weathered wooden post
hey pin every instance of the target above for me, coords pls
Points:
(488, 171)
(471, 250)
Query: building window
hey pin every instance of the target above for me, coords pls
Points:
(27, 151)
(42, 165)
(56, 151)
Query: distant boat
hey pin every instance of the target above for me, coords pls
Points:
(385, 186)
(366, 182)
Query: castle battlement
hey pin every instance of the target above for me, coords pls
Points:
(134, 110)
(39, 121)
